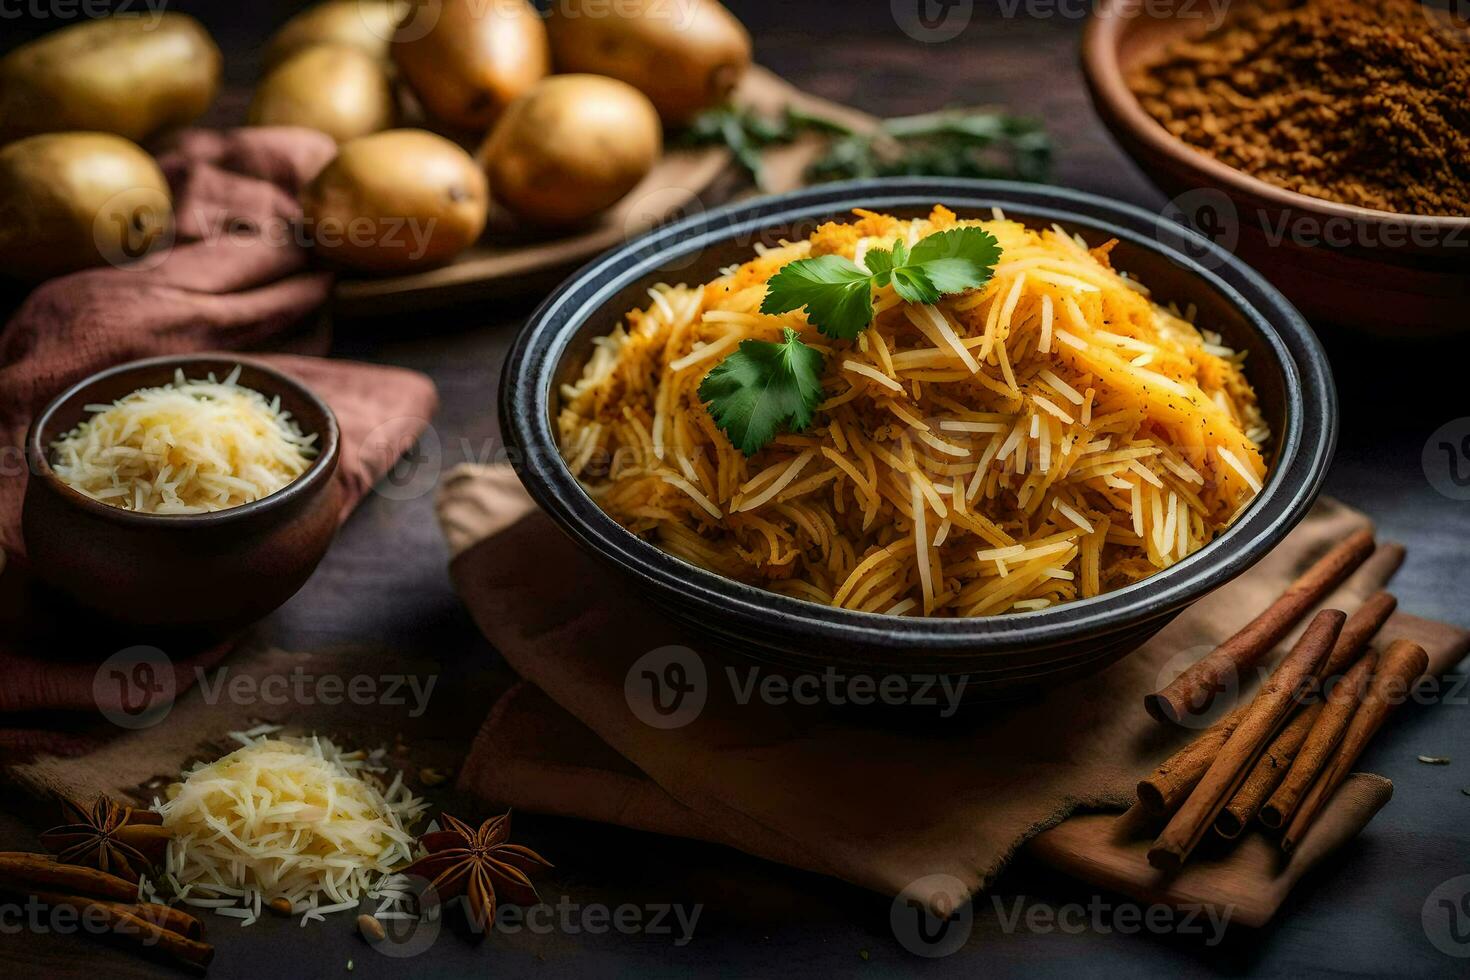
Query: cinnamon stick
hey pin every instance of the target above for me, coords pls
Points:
(1267, 713)
(166, 917)
(1266, 774)
(18, 868)
(24, 873)
(1193, 691)
(1362, 626)
(1398, 668)
(1164, 789)
(150, 818)
(132, 924)
(173, 919)
(1342, 702)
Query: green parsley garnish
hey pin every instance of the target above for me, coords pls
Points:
(838, 293)
(763, 387)
(950, 143)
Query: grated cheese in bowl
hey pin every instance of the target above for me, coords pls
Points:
(187, 447)
(287, 818)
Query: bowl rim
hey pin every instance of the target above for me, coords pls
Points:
(321, 470)
(1101, 38)
(1291, 488)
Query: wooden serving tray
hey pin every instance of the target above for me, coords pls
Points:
(511, 261)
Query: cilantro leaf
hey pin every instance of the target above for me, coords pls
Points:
(881, 261)
(837, 294)
(910, 282)
(762, 387)
(958, 259)
(914, 285)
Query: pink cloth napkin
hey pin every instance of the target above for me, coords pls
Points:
(235, 279)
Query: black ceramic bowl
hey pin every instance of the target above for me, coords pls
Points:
(185, 573)
(1285, 364)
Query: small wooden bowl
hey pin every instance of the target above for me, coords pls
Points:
(190, 573)
(1391, 274)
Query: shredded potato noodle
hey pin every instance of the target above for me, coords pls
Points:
(1050, 436)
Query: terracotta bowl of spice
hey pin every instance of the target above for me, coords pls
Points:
(1348, 188)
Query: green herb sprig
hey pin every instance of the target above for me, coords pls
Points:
(982, 143)
(838, 293)
(765, 387)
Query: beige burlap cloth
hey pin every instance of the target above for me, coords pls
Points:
(931, 814)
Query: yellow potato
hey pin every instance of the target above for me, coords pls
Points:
(685, 55)
(571, 147)
(396, 202)
(340, 90)
(69, 201)
(127, 75)
(364, 24)
(466, 60)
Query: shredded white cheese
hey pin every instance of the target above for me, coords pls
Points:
(187, 447)
(287, 818)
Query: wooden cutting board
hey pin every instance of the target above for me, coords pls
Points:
(512, 261)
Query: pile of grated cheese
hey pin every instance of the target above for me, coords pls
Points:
(287, 818)
(187, 447)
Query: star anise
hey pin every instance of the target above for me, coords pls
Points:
(478, 864)
(111, 837)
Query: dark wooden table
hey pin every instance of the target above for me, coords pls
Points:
(384, 591)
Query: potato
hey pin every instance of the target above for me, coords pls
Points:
(132, 76)
(473, 59)
(396, 202)
(364, 24)
(685, 55)
(572, 146)
(340, 90)
(69, 201)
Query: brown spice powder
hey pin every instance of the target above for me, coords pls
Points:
(1363, 102)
